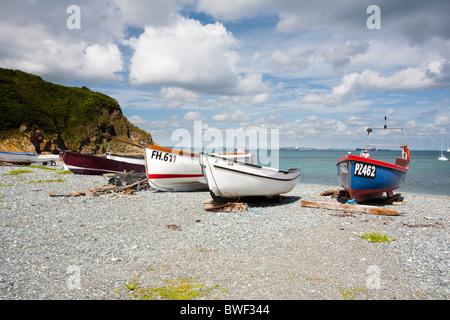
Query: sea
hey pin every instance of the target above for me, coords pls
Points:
(426, 174)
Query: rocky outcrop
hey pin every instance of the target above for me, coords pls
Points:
(38, 116)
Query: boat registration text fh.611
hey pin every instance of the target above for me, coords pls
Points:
(163, 156)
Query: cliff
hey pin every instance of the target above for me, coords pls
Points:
(39, 116)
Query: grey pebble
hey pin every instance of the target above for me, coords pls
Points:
(277, 251)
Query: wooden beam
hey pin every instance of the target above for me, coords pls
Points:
(224, 206)
(104, 135)
(350, 208)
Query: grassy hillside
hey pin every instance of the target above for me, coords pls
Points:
(69, 116)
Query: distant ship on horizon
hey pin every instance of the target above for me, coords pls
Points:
(370, 149)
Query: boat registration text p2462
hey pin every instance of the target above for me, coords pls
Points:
(365, 170)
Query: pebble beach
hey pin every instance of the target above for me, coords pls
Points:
(92, 248)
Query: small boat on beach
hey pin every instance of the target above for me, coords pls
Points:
(48, 158)
(228, 179)
(18, 158)
(365, 178)
(177, 170)
(94, 165)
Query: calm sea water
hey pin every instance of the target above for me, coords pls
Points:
(425, 175)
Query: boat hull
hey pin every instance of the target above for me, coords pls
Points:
(173, 170)
(79, 163)
(230, 179)
(19, 158)
(48, 158)
(129, 159)
(366, 179)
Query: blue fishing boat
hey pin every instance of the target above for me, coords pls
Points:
(366, 179)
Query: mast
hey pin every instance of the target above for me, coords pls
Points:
(385, 127)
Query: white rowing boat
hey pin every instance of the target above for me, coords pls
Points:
(229, 179)
(20, 158)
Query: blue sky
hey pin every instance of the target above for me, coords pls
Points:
(312, 70)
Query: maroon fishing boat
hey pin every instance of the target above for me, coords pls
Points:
(94, 165)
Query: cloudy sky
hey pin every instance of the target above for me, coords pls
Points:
(317, 71)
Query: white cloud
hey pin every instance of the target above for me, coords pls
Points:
(101, 62)
(149, 12)
(409, 79)
(238, 116)
(281, 57)
(34, 38)
(178, 94)
(192, 116)
(138, 120)
(232, 9)
(39, 52)
(270, 121)
(441, 121)
(185, 54)
(342, 56)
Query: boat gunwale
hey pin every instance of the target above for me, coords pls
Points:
(253, 165)
(261, 176)
(124, 156)
(372, 161)
(18, 153)
(173, 151)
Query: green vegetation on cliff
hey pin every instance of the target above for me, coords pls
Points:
(69, 117)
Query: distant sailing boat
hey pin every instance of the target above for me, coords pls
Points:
(442, 157)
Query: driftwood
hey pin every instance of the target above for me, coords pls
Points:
(332, 193)
(350, 208)
(224, 206)
(93, 192)
(342, 196)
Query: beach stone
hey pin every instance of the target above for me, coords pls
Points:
(279, 251)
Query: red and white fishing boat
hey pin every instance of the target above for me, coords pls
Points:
(177, 170)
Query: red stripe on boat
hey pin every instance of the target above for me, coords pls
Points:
(372, 161)
(173, 176)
